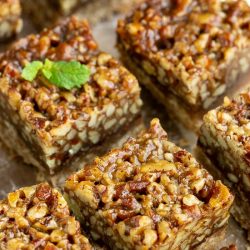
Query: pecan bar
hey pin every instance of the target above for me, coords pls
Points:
(38, 217)
(180, 50)
(225, 139)
(49, 124)
(50, 10)
(94, 11)
(149, 194)
(10, 18)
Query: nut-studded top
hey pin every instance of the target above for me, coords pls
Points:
(151, 180)
(9, 8)
(232, 120)
(38, 217)
(47, 105)
(190, 41)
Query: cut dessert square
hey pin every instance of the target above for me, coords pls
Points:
(94, 11)
(10, 18)
(50, 10)
(225, 138)
(38, 217)
(149, 194)
(181, 50)
(51, 124)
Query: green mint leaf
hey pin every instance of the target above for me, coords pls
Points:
(63, 74)
(66, 75)
(48, 64)
(46, 73)
(30, 71)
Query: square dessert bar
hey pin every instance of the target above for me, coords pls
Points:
(50, 10)
(181, 50)
(94, 10)
(225, 139)
(10, 18)
(38, 217)
(48, 125)
(149, 194)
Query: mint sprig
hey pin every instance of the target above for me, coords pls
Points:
(30, 71)
(67, 75)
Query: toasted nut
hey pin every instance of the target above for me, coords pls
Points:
(198, 184)
(190, 200)
(13, 198)
(163, 230)
(61, 130)
(232, 178)
(160, 166)
(37, 212)
(221, 196)
(150, 237)
(57, 235)
(246, 180)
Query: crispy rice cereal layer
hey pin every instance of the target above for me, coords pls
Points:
(38, 217)
(187, 45)
(10, 18)
(55, 124)
(225, 138)
(149, 194)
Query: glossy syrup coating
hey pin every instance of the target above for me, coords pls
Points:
(187, 45)
(56, 123)
(149, 194)
(38, 217)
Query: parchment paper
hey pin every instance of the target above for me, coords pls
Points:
(15, 174)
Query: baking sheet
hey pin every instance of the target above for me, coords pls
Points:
(15, 174)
